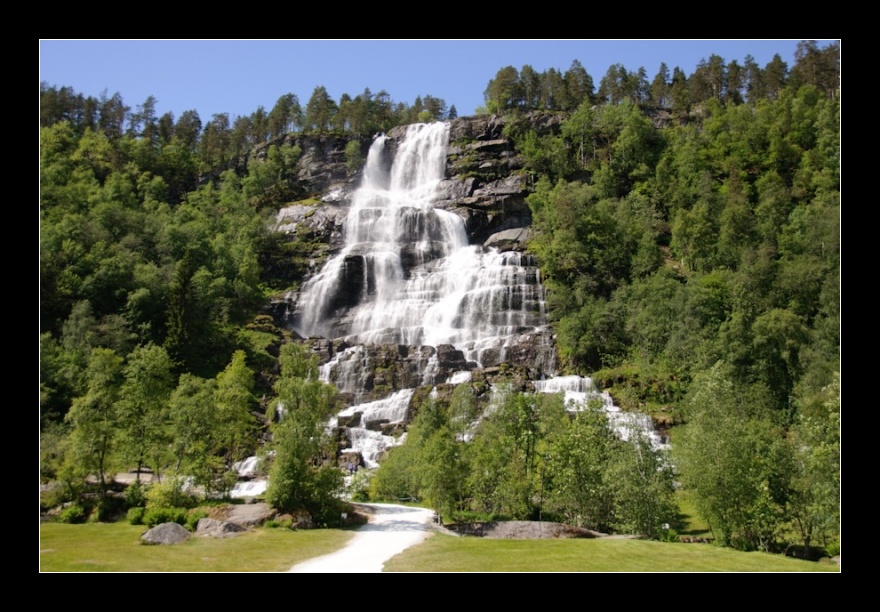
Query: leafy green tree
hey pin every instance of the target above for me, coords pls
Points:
(581, 490)
(354, 156)
(301, 475)
(578, 86)
(286, 116)
(552, 89)
(442, 472)
(817, 67)
(579, 129)
(753, 76)
(814, 503)
(508, 455)
(195, 439)
(320, 111)
(779, 336)
(112, 113)
(143, 407)
(731, 457)
(214, 144)
(531, 86)
(694, 237)
(775, 76)
(188, 128)
(735, 82)
(660, 86)
(429, 465)
(233, 402)
(94, 419)
(679, 91)
(642, 482)
(615, 85)
(504, 92)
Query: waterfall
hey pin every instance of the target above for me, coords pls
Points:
(407, 278)
(407, 274)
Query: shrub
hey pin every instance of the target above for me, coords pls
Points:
(52, 498)
(193, 517)
(136, 494)
(135, 516)
(106, 510)
(668, 535)
(285, 523)
(74, 513)
(169, 494)
(329, 513)
(354, 157)
(359, 485)
(155, 515)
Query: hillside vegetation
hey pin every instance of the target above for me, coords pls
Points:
(687, 230)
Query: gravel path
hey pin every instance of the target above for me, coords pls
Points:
(392, 528)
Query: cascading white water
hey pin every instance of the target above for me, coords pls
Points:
(407, 274)
(370, 443)
(579, 391)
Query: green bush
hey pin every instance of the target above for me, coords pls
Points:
(169, 494)
(74, 513)
(354, 157)
(158, 515)
(668, 535)
(107, 510)
(193, 517)
(135, 516)
(359, 485)
(52, 498)
(136, 494)
(286, 523)
(329, 513)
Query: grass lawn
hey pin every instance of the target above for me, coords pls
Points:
(443, 553)
(116, 547)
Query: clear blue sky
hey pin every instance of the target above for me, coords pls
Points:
(237, 76)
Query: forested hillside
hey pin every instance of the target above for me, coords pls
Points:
(687, 229)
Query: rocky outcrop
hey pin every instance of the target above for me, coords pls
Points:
(370, 372)
(243, 515)
(212, 528)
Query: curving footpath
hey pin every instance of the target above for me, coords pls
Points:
(392, 529)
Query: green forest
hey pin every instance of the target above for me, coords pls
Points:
(687, 229)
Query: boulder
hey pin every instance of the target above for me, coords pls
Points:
(166, 533)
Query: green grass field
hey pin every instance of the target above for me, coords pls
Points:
(443, 553)
(116, 547)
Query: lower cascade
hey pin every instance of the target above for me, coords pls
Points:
(408, 302)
